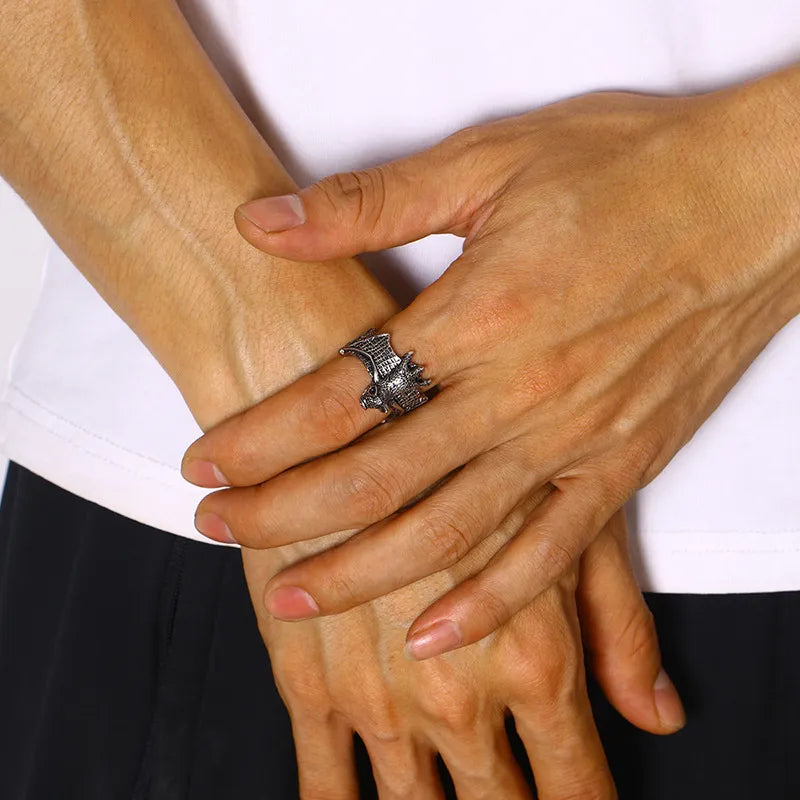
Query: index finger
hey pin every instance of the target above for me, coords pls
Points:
(317, 414)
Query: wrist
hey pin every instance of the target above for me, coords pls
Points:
(741, 153)
(763, 118)
(261, 323)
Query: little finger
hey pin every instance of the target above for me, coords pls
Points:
(550, 542)
(620, 635)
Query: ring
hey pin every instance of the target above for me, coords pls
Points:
(396, 380)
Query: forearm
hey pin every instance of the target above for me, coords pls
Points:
(127, 145)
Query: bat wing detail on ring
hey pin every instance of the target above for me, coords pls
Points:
(396, 381)
(374, 352)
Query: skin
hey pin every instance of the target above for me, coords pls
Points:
(131, 151)
(405, 710)
(626, 257)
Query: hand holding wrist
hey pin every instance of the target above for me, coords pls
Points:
(652, 241)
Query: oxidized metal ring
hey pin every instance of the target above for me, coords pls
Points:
(396, 380)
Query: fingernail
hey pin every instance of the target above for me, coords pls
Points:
(434, 640)
(273, 214)
(214, 527)
(204, 473)
(668, 702)
(291, 603)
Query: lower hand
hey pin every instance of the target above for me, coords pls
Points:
(346, 673)
(626, 258)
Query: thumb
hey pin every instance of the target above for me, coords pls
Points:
(620, 636)
(371, 209)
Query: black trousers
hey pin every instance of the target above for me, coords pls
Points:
(131, 668)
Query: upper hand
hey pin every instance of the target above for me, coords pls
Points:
(626, 257)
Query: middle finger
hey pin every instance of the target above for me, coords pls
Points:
(403, 769)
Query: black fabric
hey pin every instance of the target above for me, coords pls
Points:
(131, 668)
(130, 662)
(734, 659)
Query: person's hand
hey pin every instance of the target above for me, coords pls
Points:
(626, 258)
(347, 673)
(145, 172)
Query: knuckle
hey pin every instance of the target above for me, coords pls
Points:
(370, 492)
(444, 538)
(381, 731)
(465, 138)
(364, 190)
(451, 707)
(553, 689)
(305, 695)
(340, 590)
(552, 557)
(333, 414)
(375, 715)
(493, 606)
(639, 451)
(552, 683)
(642, 455)
(380, 728)
(541, 380)
(477, 148)
(499, 311)
(638, 636)
(564, 204)
(459, 717)
(547, 378)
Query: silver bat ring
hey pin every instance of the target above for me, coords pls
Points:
(396, 380)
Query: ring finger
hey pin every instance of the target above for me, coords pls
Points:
(547, 546)
(317, 414)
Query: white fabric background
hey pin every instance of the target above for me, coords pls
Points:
(23, 243)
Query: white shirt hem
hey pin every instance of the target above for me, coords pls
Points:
(96, 469)
(685, 562)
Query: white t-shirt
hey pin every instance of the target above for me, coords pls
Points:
(341, 85)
